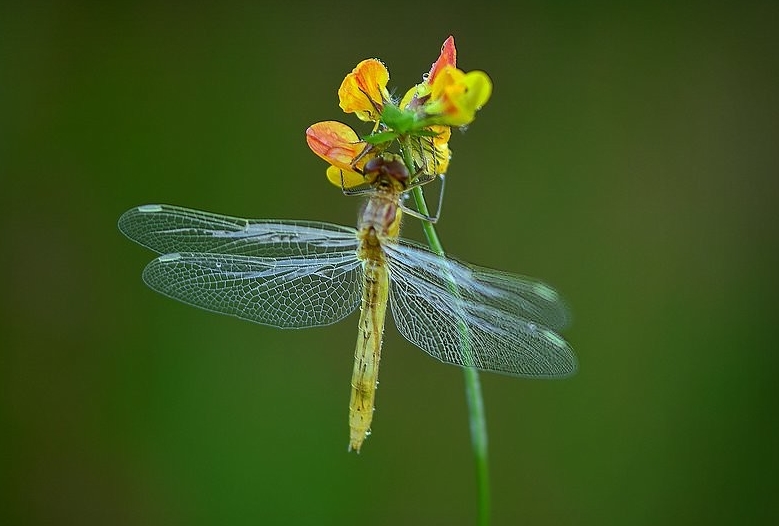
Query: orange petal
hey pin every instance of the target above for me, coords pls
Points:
(448, 57)
(364, 90)
(335, 142)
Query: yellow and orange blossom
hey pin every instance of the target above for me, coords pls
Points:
(447, 97)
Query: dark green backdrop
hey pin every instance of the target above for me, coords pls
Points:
(628, 156)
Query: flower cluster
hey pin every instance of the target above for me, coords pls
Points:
(420, 122)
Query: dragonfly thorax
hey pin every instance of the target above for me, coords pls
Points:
(381, 214)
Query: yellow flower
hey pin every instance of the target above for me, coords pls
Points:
(449, 96)
(455, 96)
(364, 90)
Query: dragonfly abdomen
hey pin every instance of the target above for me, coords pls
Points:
(380, 220)
(367, 353)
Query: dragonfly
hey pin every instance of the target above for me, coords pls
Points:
(297, 274)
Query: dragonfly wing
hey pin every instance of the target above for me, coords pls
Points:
(167, 229)
(291, 292)
(527, 297)
(477, 317)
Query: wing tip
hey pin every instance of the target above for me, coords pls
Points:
(149, 208)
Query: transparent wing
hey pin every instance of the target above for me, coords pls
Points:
(472, 316)
(280, 292)
(527, 297)
(279, 273)
(166, 229)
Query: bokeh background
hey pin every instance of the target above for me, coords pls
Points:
(628, 156)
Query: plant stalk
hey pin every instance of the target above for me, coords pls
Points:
(476, 413)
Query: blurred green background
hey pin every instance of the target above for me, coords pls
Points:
(628, 156)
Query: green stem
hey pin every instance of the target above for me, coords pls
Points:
(476, 414)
